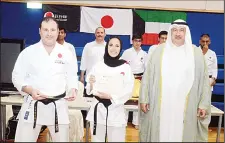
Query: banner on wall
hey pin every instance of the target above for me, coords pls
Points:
(68, 16)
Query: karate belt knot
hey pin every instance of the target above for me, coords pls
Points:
(138, 76)
(106, 103)
(46, 102)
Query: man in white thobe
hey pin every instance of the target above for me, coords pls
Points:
(175, 97)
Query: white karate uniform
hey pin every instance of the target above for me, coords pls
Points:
(71, 48)
(137, 63)
(211, 61)
(92, 53)
(135, 60)
(150, 52)
(50, 74)
(116, 111)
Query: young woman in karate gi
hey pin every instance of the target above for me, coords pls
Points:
(107, 113)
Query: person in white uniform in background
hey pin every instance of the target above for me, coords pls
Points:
(41, 74)
(162, 39)
(68, 46)
(210, 57)
(76, 131)
(61, 40)
(107, 112)
(136, 57)
(92, 53)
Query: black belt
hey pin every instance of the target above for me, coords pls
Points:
(138, 74)
(106, 103)
(46, 102)
(210, 76)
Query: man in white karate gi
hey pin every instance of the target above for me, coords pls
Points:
(41, 74)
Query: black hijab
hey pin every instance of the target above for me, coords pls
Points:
(113, 61)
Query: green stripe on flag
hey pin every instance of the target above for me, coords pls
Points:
(160, 16)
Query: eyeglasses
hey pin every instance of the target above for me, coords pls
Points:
(163, 38)
(137, 40)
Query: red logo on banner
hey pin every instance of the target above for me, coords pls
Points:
(48, 14)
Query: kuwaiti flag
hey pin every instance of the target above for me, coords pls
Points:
(150, 22)
(115, 21)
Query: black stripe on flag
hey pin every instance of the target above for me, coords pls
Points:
(138, 24)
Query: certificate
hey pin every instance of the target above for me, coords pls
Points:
(111, 84)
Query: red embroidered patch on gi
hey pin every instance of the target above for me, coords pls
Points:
(122, 73)
(60, 55)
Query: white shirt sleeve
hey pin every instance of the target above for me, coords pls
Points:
(145, 59)
(215, 66)
(74, 55)
(84, 58)
(150, 51)
(73, 50)
(71, 78)
(20, 71)
(146, 62)
(126, 94)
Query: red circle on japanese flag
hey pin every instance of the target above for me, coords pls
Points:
(107, 21)
(60, 55)
(48, 14)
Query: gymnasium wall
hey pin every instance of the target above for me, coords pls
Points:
(20, 22)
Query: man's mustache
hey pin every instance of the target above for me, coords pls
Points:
(178, 37)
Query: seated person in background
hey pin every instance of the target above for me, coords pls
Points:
(107, 112)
